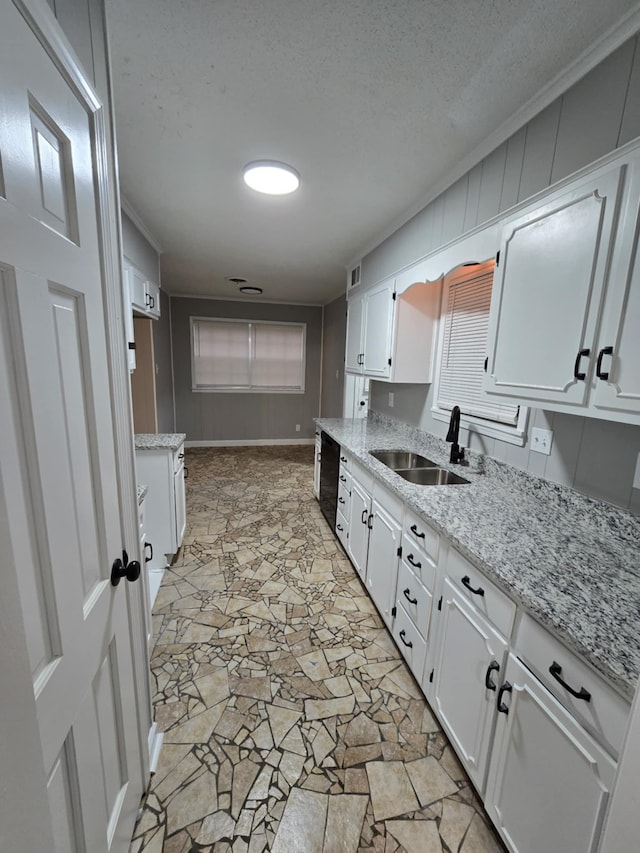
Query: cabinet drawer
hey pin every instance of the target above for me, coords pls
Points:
(364, 477)
(604, 714)
(418, 561)
(419, 533)
(345, 460)
(414, 599)
(409, 641)
(485, 596)
(341, 528)
(344, 479)
(344, 498)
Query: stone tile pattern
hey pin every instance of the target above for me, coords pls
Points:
(569, 560)
(159, 440)
(291, 721)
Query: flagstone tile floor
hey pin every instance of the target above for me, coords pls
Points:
(291, 723)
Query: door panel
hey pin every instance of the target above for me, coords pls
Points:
(58, 471)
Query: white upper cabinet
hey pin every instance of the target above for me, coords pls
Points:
(565, 308)
(547, 294)
(392, 336)
(145, 294)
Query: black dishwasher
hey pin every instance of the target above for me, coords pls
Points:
(329, 470)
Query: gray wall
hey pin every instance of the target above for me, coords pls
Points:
(223, 417)
(598, 114)
(164, 373)
(334, 333)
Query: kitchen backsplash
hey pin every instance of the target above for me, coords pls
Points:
(595, 457)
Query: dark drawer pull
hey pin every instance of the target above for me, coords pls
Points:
(556, 671)
(343, 479)
(466, 582)
(363, 518)
(339, 527)
(413, 562)
(369, 521)
(343, 458)
(494, 666)
(416, 532)
(186, 473)
(603, 352)
(407, 643)
(341, 500)
(408, 597)
(506, 688)
(150, 546)
(577, 374)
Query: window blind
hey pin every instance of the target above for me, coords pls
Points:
(464, 349)
(247, 356)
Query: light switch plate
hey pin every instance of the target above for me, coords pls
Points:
(541, 440)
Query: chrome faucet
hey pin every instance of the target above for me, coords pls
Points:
(457, 453)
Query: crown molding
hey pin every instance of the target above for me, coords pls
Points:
(127, 208)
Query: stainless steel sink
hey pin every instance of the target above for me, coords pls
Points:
(399, 460)
(432, 477)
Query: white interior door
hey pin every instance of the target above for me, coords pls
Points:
(58, 474)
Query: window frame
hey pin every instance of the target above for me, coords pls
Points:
(213, 389)
(512, 434)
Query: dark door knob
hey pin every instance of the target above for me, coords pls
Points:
(123, 568)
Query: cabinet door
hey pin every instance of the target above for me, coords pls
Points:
(180, 505)
(153, 299)
(382, 562)
(547, 294)
(617, 382)
(138, 290)
(378, 325)
(549, 782)
(359, 527)
(471, 655)
(316, 467)
(355, 318)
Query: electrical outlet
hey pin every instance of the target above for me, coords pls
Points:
(391, 399)
(636, 476)
(297, 427)
(541, 440)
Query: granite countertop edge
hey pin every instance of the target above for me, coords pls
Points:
(159, 441)
(564, 558)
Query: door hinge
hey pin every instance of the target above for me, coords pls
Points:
(431, 676)
(440, 604)
(394, 296)
(394, 610)
(399, 551)
(389, 362)
(498, 259)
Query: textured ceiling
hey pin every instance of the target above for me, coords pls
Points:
(372, 101)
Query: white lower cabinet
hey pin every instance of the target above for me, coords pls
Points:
(410, 641)
(468, 666)
(549, 781)
(359, 521)
(382, 561)
(316, 466)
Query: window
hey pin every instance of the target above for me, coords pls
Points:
(463, 349)
(243, 355)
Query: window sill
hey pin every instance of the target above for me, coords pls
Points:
(510, 434)
(248, 390)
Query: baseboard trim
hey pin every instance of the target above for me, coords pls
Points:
(254, 442)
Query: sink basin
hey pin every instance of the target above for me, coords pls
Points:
(401, 459)
(432, 477)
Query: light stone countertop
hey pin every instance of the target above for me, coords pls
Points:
(570, 561)
(159, 441)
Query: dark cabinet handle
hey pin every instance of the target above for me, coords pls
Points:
(494, 666)
(408, 597)
(415, 564)
(556, 671)
(604, 351)
(180, 455)
(339, 527)
(343, 479)
(370, 521)
(407, 643)
(341, 500)
(576, 367)
(122, 568)
(466, 582)
(186, 472)
(506, 688)
(150, 546)
(343, 458)
(416, 532)
(363, 518)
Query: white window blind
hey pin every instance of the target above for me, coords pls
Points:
(239, 355)
(464, 350)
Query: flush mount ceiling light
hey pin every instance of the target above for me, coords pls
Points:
(271, 177)
(251, 291)
(234, 279)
